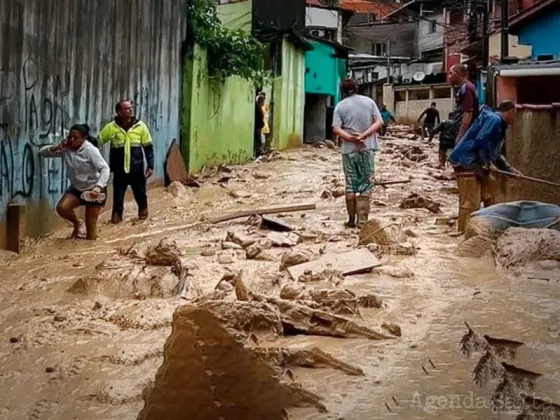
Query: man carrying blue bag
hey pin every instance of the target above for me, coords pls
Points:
(476, 155)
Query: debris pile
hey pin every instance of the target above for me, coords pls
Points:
(416, 201)
(208, 374)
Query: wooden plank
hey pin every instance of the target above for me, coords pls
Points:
(14, 227)
(175, 169)
(357, 261)
(273, 223)
(267, 210)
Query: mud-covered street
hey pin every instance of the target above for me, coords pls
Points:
(84, 324)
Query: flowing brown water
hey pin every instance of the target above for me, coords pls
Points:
(91, 356)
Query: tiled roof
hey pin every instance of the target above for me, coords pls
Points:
(379, 7)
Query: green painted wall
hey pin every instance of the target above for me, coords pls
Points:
(218, 120)
(289, 98)
(322, 70)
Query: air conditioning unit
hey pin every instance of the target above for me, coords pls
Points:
(319, 33)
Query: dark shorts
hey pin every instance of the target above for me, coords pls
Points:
(78, 194)
(430, 127)
(444, 147)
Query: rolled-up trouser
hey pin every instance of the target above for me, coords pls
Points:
(359, 170)
(474, 189)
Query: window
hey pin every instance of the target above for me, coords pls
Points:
(379, 48)
(371, 17)
(433, 27)
(418, 95)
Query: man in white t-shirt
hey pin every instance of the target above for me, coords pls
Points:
(356, 121)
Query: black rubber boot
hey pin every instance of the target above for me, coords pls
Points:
(362, 208)
(351, 209)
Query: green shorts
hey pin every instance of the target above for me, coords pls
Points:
(359, 169)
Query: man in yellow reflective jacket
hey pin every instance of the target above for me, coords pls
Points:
(131, 142)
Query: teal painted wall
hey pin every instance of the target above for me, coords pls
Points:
(218, 120)
(289, 98)
(324, 72)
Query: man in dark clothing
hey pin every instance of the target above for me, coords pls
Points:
(430, 122)
(446, 139)
(259, 125)
(476, 155)
(466, 101)
(130, 141)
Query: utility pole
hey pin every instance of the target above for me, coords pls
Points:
(388, 52)
(485, 34)
(505, 29)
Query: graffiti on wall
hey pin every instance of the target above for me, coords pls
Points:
(32, 114)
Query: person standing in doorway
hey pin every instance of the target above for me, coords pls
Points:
(259, 125)
(88, 174)
(131, 143)
(475, 157)
(466, 101)
(266, 129)
(431, 120)
(357, 121)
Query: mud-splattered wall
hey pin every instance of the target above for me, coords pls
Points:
(533, 147)
(218, 119)
(289, 98)
(68, 61)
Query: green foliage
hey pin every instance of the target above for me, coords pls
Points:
(230, 52)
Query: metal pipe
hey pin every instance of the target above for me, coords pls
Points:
(505, 29)
(551, 71)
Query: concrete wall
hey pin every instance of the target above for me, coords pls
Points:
(322, 71)
(289, 98)
(516, 49)
(408, 110)
(68, 61)
(218, 118)
(533, 147)
(543, 33)
(428, 38)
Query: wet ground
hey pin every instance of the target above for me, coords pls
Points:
(70, 350)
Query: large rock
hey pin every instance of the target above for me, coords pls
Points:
(289, 259)
(208, 374)
(518, 246)
(381, 232)
(165, 253)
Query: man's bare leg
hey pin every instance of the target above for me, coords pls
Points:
(92, 215)
(65, 209)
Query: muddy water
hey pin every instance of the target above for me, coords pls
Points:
(91, 356)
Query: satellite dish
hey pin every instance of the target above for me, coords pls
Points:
(419, 76)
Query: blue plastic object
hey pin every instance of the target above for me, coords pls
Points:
(525, 214)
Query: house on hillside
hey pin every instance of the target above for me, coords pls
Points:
(326, 64)
(396, 42)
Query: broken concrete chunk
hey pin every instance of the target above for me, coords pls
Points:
(231, 245)
(260, 175)
(177, 189)
(381, 232)
(289, 259)
(357, 261)
(226, 258)
(166, 253)
(392, 328)
(240, 239)
(275, 224)
(253, 251)
(397, 272)
(265, 256)
(415, 201)
(280, 240)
